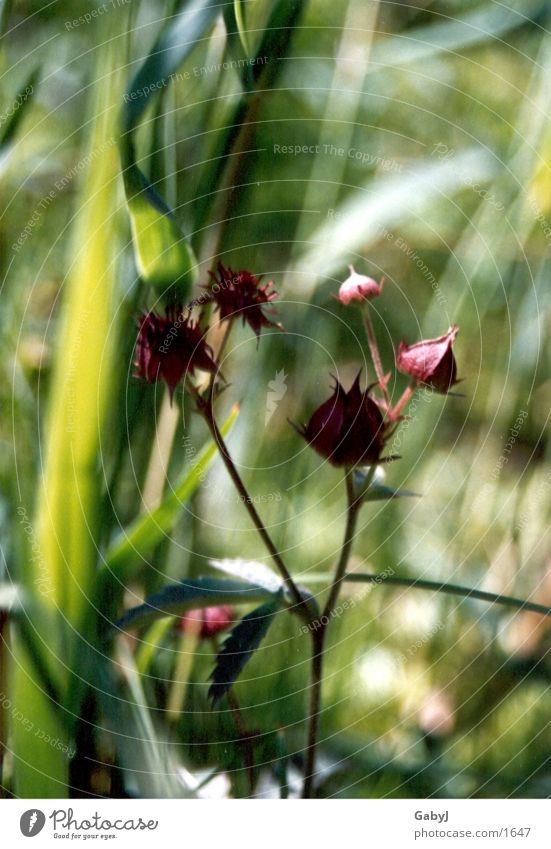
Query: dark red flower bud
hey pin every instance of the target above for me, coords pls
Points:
(347, 429)
(168, 347)
(206, 622)
(239, 294)
(431, 361)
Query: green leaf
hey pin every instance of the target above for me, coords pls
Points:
(239, 647)
(422, 43)
(148, 760)
(260, 574)
(15, 114)
(172, 47)
(267, 65)
(162, 253)
(377, 491)
(451, 589)
(138, 540)
(276, 38)
(251, 571)
(177, 599)
(237, 45)
(5, 12)
(239, 12)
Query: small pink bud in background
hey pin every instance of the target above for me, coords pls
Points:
(357, 287)
(206, 622)
(431, 361)
(437, 715)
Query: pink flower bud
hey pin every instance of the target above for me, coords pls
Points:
(206, 622)
(431, 361)
(357, 287)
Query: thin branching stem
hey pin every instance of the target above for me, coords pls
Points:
(375, 355)
(319, 628)
(206, 411)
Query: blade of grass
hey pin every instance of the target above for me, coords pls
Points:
(451, 589)
(150, 529)
(384, 202)
(67, 528)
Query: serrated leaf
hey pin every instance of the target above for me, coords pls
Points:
(239, 647)
(250, 570)
(177, 599)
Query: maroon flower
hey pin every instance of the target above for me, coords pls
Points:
(347, 429)
(169, 347)
(206, 622)
(239, 293)
(431, 361)
(357, 287)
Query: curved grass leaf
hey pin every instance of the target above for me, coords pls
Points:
(239, 12)
(485, 24)
(15, 114)
(267, 65)
(5, 12)
(276, 39)
(383, 203)
(177, 599)
(138, 540)
(163, 255)
(238, 45)
(450, 589)
(172, 47)
(239, 647)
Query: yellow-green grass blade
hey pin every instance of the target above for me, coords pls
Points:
(149, 530)
(68, 495)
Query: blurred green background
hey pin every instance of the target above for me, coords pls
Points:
(412, 141)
